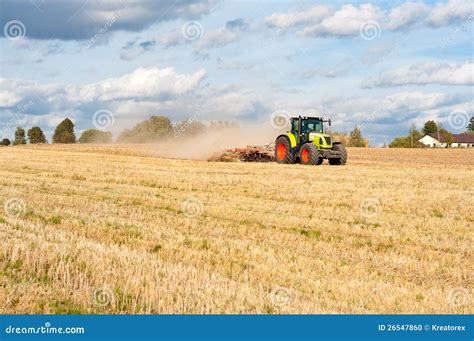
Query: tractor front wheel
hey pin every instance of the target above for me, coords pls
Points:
(341, 160)
(283, 152)
(310, 155)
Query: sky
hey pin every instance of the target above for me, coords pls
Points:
(382, 65)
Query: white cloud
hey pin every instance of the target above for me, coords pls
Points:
(406, 14)
(445, 13)
(131, 97)
(172, 38)
(344, 22)
(142, 83)
(208, 38)
(309, 16)
(322, 21)
(217, 38)
(234, 103)
(418, 100)
(425, 73)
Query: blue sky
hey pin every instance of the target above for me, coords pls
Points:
(380, 65)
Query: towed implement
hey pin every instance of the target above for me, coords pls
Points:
(306, 142)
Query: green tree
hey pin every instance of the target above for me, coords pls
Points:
(5, 142)
(64, 132)
(430, 127)
(19, 136)
(409, 141)
(154, 129)
(470, 126)
(448, 137)
(401, 142)
(356, 139)
(36, 135)
(95, 136)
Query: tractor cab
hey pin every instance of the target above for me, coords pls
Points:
(307, 142)
(312, 129)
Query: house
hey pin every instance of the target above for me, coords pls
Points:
(430, 141)
(463, 140)
(459, 141)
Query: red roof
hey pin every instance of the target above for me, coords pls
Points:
(463, 138)
(457, 138)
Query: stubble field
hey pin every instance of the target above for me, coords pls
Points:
(115, 229)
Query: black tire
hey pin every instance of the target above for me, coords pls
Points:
(310, 155)
(283, 151)
(343, 159)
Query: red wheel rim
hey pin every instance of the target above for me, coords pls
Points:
(305, 155)
(281, 151)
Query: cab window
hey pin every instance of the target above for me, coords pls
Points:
(312, 126)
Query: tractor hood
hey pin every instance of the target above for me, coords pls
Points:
(320, 140)
(313, 136)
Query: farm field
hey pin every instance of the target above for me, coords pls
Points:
(117, 229)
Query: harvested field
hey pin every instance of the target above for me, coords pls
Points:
(116, 229)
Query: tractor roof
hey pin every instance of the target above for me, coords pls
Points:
(307, 117)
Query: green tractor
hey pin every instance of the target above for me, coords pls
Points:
(307, 143)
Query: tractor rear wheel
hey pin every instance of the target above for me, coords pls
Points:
(341, 160)
(310, 154)
(283, 152)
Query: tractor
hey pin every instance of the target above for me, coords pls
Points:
(307, 143)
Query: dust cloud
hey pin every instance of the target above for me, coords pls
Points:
(203, 146)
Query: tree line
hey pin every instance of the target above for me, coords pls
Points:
(154, 129)
(430, 128)
(353, 139)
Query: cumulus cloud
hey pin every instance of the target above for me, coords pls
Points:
(425, 73)
(26, 98)
(215, 38)
(406, 15)
(418, 100)
(140, 84)
(81, 20)
(131, 97)
(323, 21)
(231, 32)
(445, 13)
(312, 15)
(344, 22)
